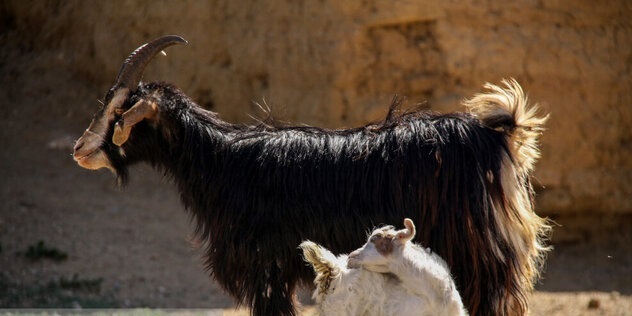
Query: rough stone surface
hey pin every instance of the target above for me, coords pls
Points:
(338, 63)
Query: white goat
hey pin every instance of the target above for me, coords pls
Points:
(347, 291)
(421, 272)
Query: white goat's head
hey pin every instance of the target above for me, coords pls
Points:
(101, 145)
(340, 290)
(382, 245)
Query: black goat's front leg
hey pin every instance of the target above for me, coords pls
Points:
(265, 286)
(275, 294)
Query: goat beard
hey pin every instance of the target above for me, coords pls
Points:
(118, 165)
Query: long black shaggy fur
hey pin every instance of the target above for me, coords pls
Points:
(255, 192)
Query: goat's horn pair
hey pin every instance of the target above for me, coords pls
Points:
(132, 70)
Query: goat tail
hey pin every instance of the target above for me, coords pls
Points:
(506, 109)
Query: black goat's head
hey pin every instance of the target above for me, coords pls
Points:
(100, 146)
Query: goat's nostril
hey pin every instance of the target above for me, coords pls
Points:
(78, 145)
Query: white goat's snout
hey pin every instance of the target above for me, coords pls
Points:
(354, 259)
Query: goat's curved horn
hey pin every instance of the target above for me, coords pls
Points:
(132, 70)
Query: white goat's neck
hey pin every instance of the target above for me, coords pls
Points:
(426, 275)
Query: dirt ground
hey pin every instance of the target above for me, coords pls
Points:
(130, 247)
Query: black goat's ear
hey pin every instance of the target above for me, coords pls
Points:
(142, 110)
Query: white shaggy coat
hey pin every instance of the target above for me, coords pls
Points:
(343, 291)
(405, 280)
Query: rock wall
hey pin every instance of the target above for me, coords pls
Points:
(338, 63)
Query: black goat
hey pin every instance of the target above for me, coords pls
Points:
(257, 191)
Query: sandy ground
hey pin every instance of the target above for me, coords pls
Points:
(130, 247)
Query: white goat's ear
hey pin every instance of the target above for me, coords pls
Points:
(142, 110)
(407, 233)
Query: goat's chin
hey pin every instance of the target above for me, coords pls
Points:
(99, 159)
(376, 268)
(94, 161)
